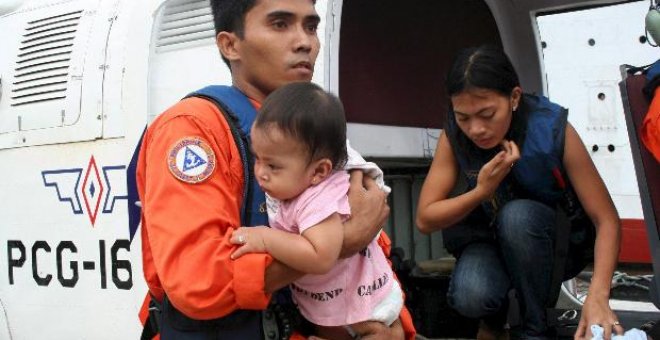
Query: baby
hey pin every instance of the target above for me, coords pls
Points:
(299, 144)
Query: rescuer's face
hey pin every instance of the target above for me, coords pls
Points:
(279, 45)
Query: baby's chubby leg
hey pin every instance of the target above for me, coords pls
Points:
(366, 328)
(351, 332)
(333, 332)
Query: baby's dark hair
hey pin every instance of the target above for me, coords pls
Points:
(312, 116)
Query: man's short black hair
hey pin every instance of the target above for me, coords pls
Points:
(229, 16)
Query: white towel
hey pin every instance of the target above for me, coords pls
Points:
(631, 334)
(355, 161)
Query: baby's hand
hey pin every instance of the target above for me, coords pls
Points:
(251, 240)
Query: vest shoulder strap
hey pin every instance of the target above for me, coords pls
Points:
(239, 113)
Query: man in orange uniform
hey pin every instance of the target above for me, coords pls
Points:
(651, 126)
(190, 182)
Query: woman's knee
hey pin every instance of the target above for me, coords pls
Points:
(521, 220)
(479, 283)
(474, 300)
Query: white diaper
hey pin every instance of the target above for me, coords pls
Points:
(388, 310)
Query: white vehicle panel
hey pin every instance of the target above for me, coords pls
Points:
(586, 82)
(71, 260)
(45, 99)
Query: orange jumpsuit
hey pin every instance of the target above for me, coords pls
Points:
(186, 227)
(651, 126)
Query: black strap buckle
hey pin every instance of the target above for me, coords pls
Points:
(152, 324)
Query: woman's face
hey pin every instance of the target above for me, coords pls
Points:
(484, 115)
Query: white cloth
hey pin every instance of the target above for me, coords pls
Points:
(356, 161)
(631, 334)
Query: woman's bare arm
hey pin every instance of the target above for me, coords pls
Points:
(596, 200)
(436, 210)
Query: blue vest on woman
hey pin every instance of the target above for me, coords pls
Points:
(538, 175)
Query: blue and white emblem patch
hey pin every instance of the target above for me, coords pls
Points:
(191, 160)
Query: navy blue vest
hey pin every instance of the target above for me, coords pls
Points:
(539, 173)
(240, 115)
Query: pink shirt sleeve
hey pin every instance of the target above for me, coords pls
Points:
(322, 200)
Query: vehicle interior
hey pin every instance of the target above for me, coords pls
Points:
(413, 52)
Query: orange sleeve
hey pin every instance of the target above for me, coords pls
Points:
(406, 318)
(651, 126)
(187, 226)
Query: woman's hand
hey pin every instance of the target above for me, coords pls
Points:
(493, 172)
(596, 311)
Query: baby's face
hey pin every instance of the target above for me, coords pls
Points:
(281, 165)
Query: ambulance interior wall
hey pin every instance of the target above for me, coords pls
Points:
(393, 56)
(400, 226)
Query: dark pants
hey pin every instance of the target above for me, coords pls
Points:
(521, 257)
(168, 333)
(248, 330)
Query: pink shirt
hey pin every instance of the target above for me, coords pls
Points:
(354, 286)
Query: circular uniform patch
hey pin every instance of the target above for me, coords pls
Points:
(191, 160)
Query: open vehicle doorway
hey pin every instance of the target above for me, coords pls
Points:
(582, 51)
(389, 71)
